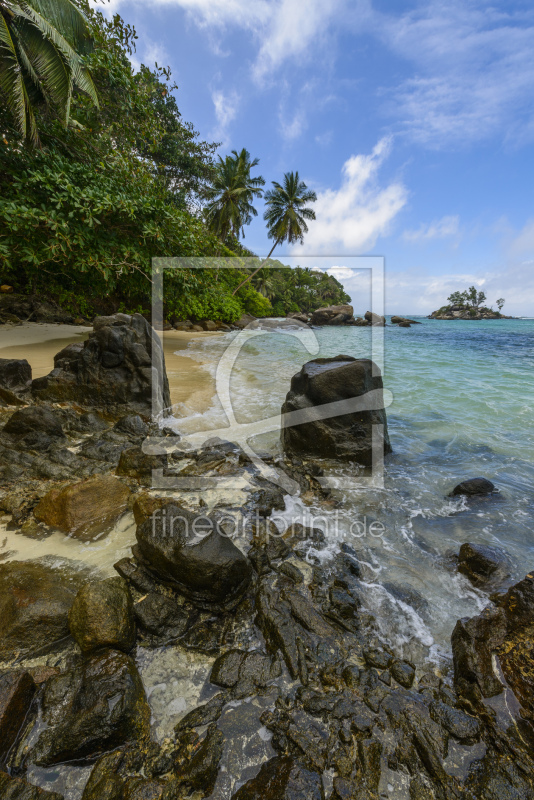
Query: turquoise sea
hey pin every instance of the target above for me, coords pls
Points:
(462, 407)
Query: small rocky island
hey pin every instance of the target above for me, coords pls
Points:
(338, 713)
(468, 305)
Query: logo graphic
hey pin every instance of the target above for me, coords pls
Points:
(241, 433)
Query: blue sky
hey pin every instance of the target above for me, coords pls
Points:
(413, 122)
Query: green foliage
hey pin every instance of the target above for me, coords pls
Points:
(287, 209)
(298, 289)
(42, 48)
(231, 194)
(470, 297)
(500, 302)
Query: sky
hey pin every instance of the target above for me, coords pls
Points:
(412, 121)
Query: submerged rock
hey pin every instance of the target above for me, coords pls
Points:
(35, 600)
(187, 550)
(102, 615)
(331, 385)
(473, 487)
(93, 708)
(282, 779)
(486, 567)
(84, 509)
(118, 365)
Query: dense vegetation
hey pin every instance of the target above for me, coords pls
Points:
(95, 183)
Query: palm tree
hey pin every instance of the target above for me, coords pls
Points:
(42, 43)
(264, 284)
(231, 194)
(286, 213)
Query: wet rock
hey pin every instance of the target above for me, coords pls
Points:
(473, 642)
(347, 436)
(188, 551)
(102, 615)
(133, 463)
(376, 657)
(374, 319)
(403, 673)
(35, 600)
(259, 560)
(17, 690)
(202, 770)
(19, 789)
(405, 324)
(15, 374)
(332, 315)
(462, 726)
(93, 708)
(203, 715)
(161, 617)
(473, 487)
(484, 566)
(292, 572)
(114, 368)
(85, 509)
(282, 778)
(253, 669)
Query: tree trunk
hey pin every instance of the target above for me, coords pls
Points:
(256, 270)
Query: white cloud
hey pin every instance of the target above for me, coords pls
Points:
(523, 243)
(292, 128)
(355, 215)
(226, 106)
(438, 229)
(342, 273)
(474, 73)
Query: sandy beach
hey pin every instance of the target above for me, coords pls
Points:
(40, 342)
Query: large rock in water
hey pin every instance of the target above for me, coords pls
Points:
(93, 708)
(118, 366)
(332, 315)
(347, 436)
(35, 600)
(211, 571)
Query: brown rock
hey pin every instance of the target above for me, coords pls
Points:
(102, 615)
(85, 509)
(5, 289)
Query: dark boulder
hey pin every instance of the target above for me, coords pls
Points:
(328, 386)
(282, 778)
(202, 770)
(473, 487)
(132, 425)
(405, 325)
(188, 551)
(35, 600)
(116, 367)
(17, 690)
(102, 615)
(32, 420)
(15, 374)
(332, 315)
(486, 567)
(93, 708)
(375, 319)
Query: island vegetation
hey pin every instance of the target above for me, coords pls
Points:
(469, 304)
(99, 173)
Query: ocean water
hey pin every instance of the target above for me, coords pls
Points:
(462, 397)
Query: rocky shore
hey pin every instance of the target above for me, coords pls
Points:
(306, 699)
(466, 312)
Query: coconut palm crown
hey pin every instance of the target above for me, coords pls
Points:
(42, 48)
(231, 194)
